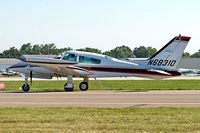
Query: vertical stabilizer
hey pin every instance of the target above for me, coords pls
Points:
(168, 57)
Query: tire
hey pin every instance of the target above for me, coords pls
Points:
(25, 87)
(83, 86)
(68, 88)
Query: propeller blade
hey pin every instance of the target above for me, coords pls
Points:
(31, 76)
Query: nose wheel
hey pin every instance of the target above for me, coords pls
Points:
(25, 87)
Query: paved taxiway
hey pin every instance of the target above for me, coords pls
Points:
(102, 99)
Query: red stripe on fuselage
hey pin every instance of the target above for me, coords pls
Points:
(150, 73)
(132, 71)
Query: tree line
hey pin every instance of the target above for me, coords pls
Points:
(118, 52)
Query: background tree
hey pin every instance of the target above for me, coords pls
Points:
(93, 50)
(48, 49)
(11, 53)
(60, 50)
(36, 49)
(143, 52)
(151, 51)
(196, 54)
(2, 56)
(120, 52)
(26, 48)
(186, 55)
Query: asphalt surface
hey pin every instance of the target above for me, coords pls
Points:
(101, 99)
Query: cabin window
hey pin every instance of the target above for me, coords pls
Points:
(70, 57)
(85, 59)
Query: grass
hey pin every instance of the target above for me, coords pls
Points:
(90, 120)
(53, 85)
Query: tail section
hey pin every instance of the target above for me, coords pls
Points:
(168, 57)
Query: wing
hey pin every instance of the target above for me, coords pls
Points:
(59, 67)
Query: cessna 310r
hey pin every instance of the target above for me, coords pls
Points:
(90, 65)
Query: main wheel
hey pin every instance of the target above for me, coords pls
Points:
(68, 87)
(25, 87)
(83, 86)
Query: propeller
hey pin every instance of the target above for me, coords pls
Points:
(31, 76)
(7, 70)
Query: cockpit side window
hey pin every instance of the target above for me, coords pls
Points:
(85, 59)
(70, 57)
(108, 57)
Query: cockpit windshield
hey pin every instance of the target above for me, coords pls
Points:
(59, 56)
(69, 57)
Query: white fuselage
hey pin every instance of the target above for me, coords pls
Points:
(98, 66)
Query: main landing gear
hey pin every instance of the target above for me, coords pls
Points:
(69, 85)
(83, 86)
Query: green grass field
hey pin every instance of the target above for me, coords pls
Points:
(89, 120)
(112, 85)
(92, 120)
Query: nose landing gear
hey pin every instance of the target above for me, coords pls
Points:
(25, 86)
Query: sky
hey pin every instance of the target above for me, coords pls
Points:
(102, 24)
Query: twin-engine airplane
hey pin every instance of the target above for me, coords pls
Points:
(90, 65)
